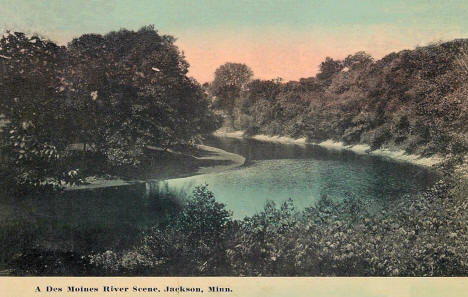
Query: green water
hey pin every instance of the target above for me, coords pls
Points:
(89, 221)
(304, 173)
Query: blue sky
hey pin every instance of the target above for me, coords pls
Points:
(276, 38)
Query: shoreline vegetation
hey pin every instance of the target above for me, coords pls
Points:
(126, 98)
(395, 155)
(203, 159)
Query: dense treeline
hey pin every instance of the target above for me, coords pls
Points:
(415, 100)
(106, 97)
(421, 235)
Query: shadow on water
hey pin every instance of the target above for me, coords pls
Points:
(84, 221)
(96, 220)
(276, 171)
(376, 167)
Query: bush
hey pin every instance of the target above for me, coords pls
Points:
(189, 243)
(48, 263)
(251, 130)
(418, 235)
(380, 135)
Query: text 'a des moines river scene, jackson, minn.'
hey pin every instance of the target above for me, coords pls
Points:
(134, 289)
(251, 138)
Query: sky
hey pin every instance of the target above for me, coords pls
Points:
(276, 38)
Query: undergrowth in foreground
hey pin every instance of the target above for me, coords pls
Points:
(420, 235)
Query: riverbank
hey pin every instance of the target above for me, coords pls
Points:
(396, 155)
(171, 164)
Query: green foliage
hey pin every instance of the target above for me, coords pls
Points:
(358, 60)
(261, 245)
(379, 136)
(115, 94)
(50, 263)
(190, 243)
(37, 130)
(138, 94)
(328, 68)
(415, 235)
(414, 99)
(230, 81)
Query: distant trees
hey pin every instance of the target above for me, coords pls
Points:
(115, 94)
(413, 99)
(230, 80)
(328, 68)
(358, 60)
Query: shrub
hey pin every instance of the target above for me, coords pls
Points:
(380, 135)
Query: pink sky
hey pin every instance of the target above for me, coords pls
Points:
(292, 55)
(276, 38)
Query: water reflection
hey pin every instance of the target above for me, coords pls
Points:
(303, 172)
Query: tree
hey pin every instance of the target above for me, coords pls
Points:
(328, 68)
(38, 128)
(136, 87)
(117, 93)
(358, 60)
(230, 80)
(260, 90)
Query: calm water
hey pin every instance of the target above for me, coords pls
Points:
(113, 218)
(304, 173)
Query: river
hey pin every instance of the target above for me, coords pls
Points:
(276, 172)
(97, 219)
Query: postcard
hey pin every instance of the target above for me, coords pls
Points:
(243, 148)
